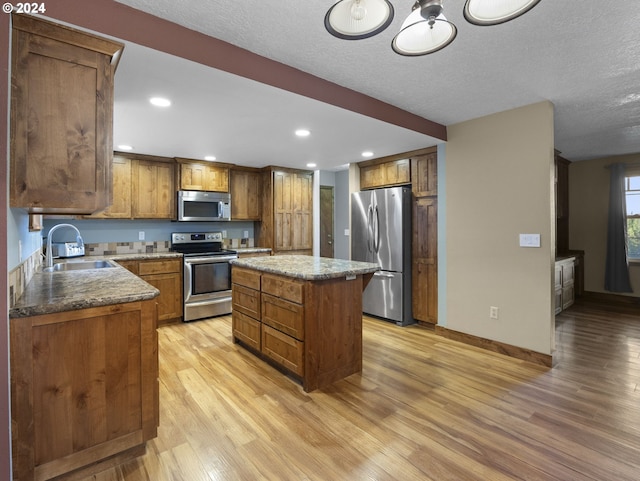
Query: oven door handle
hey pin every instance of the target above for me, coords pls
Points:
(209, 259)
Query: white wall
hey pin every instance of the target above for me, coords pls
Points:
(499, 183)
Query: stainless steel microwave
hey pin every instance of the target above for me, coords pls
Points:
(196, 206)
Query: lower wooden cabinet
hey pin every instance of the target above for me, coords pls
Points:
(166, 276)
(564, 284)
(84, 389)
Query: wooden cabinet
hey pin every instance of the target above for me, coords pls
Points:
(287, 215)
(313, 329)
(245, 187)
(166, 276)
(84, 389)
(206, 176)
(564, 284)
(120, 208)
(424, 255)
(144, 188)
(153, 193)
(61, 118)
(384, 174)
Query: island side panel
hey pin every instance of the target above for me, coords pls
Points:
(333, 331)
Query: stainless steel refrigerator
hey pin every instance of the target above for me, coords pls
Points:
(381, 233)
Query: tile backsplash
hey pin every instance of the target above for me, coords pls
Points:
(21, 275)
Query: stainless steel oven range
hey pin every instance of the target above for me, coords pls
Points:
(207, 274)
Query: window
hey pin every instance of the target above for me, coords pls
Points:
(632, 192)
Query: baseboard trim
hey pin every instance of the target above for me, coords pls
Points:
(609, 297)
(495, 346)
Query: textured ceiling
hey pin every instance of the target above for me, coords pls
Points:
(582, 56)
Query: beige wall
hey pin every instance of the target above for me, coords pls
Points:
(499, 184)
(588, 204)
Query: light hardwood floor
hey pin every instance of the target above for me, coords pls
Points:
(424, 408)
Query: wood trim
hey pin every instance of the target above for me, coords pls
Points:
(496, 346)
(150, 158)
(274, 168)
(223, 165)
(391, 158)
(63, 33)
(126, 23)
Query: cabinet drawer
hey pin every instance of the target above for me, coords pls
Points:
(246, 300)
(283, 349)
(246, 329)
(159, 267)
(131, 266)
(246, 277)
(285, 316)
(283, 287)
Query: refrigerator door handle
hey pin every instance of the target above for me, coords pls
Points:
(370, 228)
(376, 231)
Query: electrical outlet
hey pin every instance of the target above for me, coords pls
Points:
(224, 234)
(246, 234)
(141, 235)
(493, 312)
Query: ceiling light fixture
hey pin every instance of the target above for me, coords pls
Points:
(210, 157)
(303, 133)
(160, 102)
(357, 19)
(426, 30)
(311, 165)
(125, 147)
(367, 153)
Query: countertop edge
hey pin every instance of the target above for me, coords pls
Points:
(343, 268)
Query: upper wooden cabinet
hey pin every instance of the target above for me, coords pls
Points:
(424, 175)
(61, 117)
(246, 190)
(194, 175)
(384, 174)
(143, 187)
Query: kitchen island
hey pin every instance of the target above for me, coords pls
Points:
(302, 313)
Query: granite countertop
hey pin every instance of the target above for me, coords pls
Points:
(307, 267)
(250, 250)
(50, 292)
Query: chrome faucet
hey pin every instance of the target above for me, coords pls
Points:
(48, 261)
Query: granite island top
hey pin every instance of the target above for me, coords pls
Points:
(50, 292)
(307, 267)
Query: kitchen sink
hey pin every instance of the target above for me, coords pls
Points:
(79, 266)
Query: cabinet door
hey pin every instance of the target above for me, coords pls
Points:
(204, 177)
(153, 190)
(424, 259)
(283, 210)
(396, 172)
(61, 119)
(170, 298)
(120, 208)
(192, 177)
(424, 175)
(302, 218)
(246, 192)
(371, 176)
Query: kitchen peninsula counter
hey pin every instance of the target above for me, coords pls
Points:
(302, 313)
(52, 292)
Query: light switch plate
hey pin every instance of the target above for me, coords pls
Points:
(529, 240)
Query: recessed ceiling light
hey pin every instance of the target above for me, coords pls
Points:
(160, 102)
(311, 165)
(303, 132)
(125, 147)
(209, 157)
(367, 153)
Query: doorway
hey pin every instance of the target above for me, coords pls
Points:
(326, 221)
